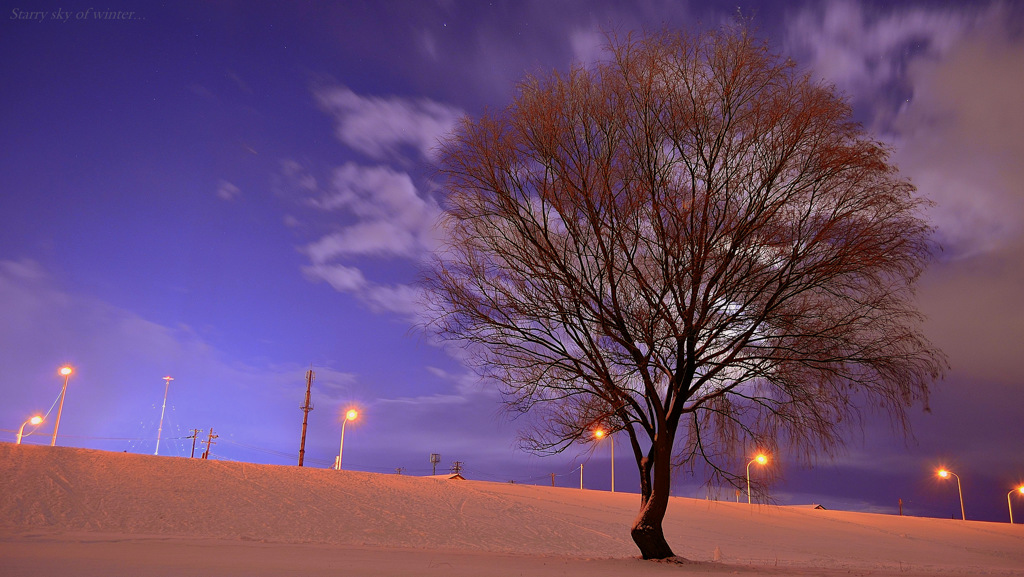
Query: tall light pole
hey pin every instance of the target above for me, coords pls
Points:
(760, 459)
(37, 419)
(600, 434)
(160, 429)
(66, 371)
(1009, 504)
(351, 415)
(945, 475)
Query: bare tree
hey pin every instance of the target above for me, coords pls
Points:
(692, 243)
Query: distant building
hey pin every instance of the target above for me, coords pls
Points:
(448, 477)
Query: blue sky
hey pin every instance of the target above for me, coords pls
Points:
(230, 193)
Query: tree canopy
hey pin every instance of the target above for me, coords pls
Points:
(692, 243)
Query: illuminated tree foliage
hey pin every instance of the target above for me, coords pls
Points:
(691, 243)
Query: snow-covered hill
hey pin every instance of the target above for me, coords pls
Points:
(84, 512)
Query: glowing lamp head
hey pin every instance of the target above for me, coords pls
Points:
(65, 371)
(944, 473)
(1021, 489)
(761, 458)
(599, 434)
(37, 419)
(351, 415)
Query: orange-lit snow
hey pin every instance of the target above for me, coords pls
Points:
(80, 512)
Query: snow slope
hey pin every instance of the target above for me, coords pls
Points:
(84, 512)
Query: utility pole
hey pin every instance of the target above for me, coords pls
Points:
(399, 470)
(305, 413)
(435, 458)
(457, 467)
(552, 479)
(160, 429)
(209, 441)
(195, 433)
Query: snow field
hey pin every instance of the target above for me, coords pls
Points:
(121, 513)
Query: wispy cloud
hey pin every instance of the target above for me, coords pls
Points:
(960, 139)
(227, 191)
(588, 45)
(390, 217)
(377, 212)
(864, 50)
(941, 85)
(125, 351)
(343, 278)
(386, 128)
(934, 82)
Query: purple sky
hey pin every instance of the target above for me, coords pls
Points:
(228, 193)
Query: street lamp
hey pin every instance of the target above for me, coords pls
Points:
(1009, 504)
(944, 473)
(160, 429)
(351, 415)
(760, 459)
(600, 434)
(66, 371)
(37, 419)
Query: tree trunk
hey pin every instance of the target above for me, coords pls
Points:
(647, 532)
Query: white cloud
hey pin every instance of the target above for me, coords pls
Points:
(376, 213)
(378, 238)
(24, 269)
(227, 191)
(297, 177)
(466, 382)
(342, 278)
(119, 358)
(587, 45)
(391, 219)
(957, 129)
(375, 191)
(402, 299)
(383, 127)
(858, 49)
(960, 140)
(428, 44)
(864, 50)
(332, 385)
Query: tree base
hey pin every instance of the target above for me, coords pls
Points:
(651, 542)
(675, 560)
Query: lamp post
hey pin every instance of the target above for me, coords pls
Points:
(1009, 504)
(600, 434)
(944, 473)
(66, 371)
(37, 419)
(350, 415)
(160, 429)
(760, 459)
